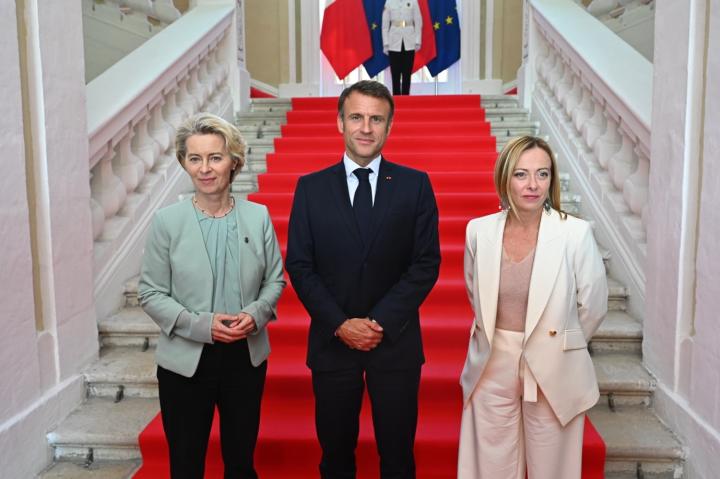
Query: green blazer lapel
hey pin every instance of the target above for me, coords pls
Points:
(246, 256)
(195, 291)
(549, 252)
(488, 272)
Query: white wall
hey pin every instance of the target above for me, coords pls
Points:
(682, 323)
(39, 379)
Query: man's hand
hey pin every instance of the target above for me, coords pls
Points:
(228, 328)
(362, 334)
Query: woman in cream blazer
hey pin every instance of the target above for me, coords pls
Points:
(525, 392)
(402, 37)
(211, 279)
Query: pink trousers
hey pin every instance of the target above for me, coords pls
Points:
(501, 435)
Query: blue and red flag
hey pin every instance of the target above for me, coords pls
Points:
(373, 13)
(446, 24)
(427, 48)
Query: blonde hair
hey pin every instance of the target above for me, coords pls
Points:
(209, 124)
(508, 160)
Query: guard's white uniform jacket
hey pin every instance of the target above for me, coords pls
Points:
(401, 23)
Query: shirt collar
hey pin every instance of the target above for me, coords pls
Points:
(351, 166)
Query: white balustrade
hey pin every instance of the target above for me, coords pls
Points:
(133, 110)
(595, 126)
(144, 146)
(609, 142)
(591, 93)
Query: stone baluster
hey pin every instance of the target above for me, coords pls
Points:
(184, 98)
(198, 90)
(594, 127)
(213, 68)
(205, 81)
(222, 68)
(97, 214)
(143, 145)
(549, 66)
(126, 165)
(563, 86)
(172, 113)
(608, 143)
(584, 110)
(573, 97)
(106, 188)
(635, 188)
(161, 131)
(623, 163)
(144, 6)
(165, 11)
(557, 71)
(543, 55)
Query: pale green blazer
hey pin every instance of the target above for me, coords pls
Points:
(176, 276)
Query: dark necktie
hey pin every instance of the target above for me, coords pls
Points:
(362, 203)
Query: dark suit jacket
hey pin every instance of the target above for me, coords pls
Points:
(337, 277)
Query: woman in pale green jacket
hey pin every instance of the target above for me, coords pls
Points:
(211, 279)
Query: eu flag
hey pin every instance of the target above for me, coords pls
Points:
(379, 61)
(447, 35)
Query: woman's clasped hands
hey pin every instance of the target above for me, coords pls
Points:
(228, 328)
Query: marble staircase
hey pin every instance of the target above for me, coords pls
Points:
(99, 439)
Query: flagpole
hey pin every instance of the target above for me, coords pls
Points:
(436, 86)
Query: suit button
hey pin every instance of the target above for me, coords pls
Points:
(552, 332)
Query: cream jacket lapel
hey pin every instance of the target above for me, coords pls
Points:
(549, 251)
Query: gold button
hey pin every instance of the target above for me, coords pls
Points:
(552, 332)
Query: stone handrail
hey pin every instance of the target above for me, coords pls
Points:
(133, 110)
(593, 96)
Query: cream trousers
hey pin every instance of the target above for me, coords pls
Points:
(501, 434)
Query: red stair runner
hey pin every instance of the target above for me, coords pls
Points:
(447, 136)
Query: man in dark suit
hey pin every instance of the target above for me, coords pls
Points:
(363, 253)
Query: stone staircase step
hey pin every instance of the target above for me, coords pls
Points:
(619, 332)
(278, 104)
(260, 118)
(129, 327)
(617, 295)
(123, 372)
(131, 373)
(96, 470)
(130, 292)
(103, 429)
(505, 113)
(623, 380)
(637, 442)
(499, 128)
(489, 101)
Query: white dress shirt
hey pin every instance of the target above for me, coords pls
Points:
(352, 180)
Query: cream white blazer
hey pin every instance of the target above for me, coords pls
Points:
(393, 34)
(566, 303)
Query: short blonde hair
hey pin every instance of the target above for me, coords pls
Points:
(507, 161)
(209, 124)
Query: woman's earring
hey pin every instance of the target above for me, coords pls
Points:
(547, 206)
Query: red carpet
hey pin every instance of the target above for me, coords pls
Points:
(448, 137)
(257, 93)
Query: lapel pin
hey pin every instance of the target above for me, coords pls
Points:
(247, 240)
(388, 177)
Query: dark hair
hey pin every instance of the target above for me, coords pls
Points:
(369, 88)
(508, 159)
